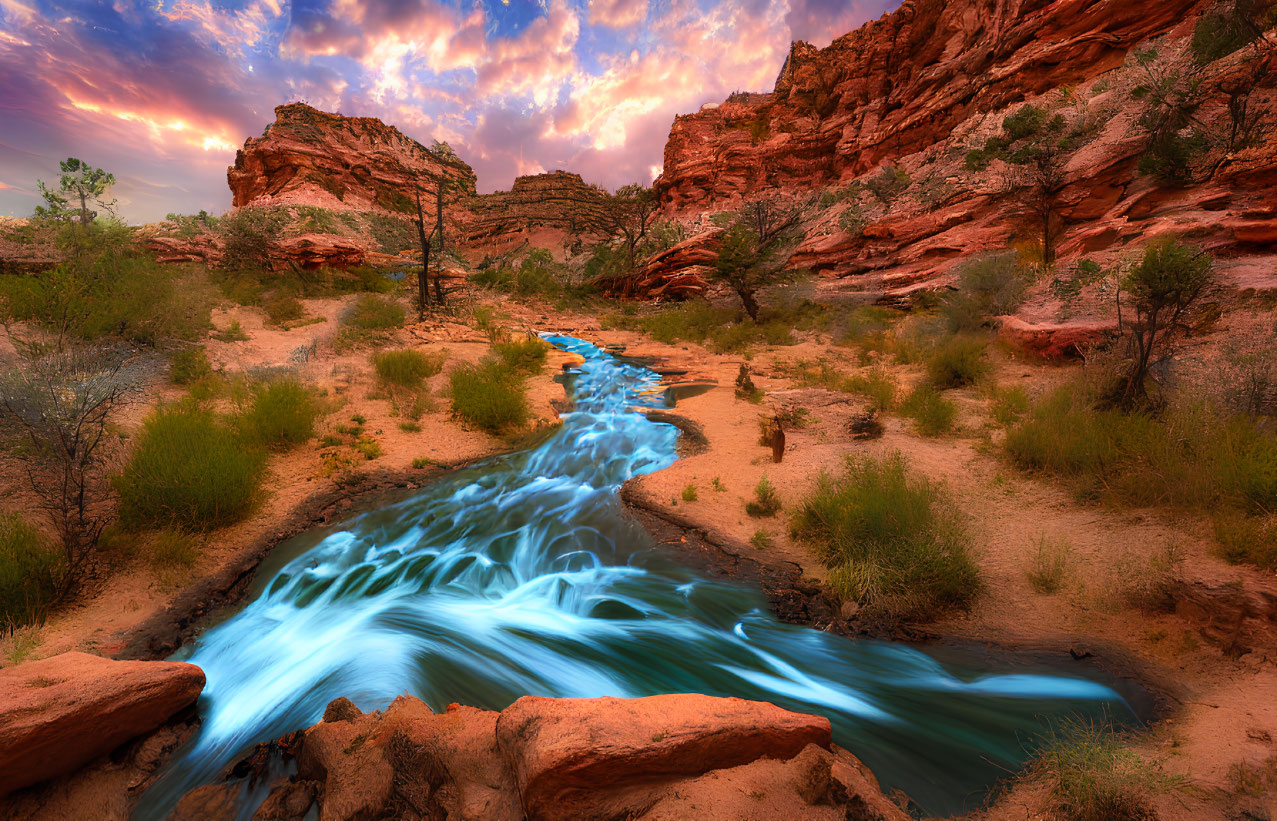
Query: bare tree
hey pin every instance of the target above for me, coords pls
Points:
(64, 403)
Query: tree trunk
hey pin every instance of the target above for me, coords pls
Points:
(751, 304)
(439, 231)
(423, 278)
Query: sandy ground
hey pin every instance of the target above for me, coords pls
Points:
(1227, 713)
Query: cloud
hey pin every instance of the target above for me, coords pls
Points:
(162, 91)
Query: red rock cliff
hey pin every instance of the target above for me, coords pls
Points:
(896, 86)
(313, 157)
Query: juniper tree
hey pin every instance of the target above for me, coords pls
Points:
(80, 186)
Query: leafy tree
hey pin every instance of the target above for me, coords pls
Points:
(1176, 136)
(80, 183)
(624, 218)
(65, 404)
(1163, 288)
(755, 250)
(1038, 175)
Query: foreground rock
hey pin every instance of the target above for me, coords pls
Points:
(543, 759)
(62, 712)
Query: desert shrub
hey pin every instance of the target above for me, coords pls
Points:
(525, 355)
(877, 385)
(1093, 776)
(932, 413)
(489, 396)
(283, 308)
(893, 541)
(249, 236)
(108, 286)
(1187, 457)
(761, 540)
(188, 470)
(375, 313)
(689, 493)
(766, 501)
(1247, 539)
(1048, 565)
(988, 286)
(369, 448)
(31, 572)
(1230, 27)
(233, 333)
(189, 365)
(889, 183)
(866, 322)
(280, 414)
(957, 361)
(405, 367)
(1008, 405)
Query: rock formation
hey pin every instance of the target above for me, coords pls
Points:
(920, 88)
(672, 756)
(313, 157)
(534, 207)
(59, 713)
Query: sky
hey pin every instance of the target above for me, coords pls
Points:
(161, 93)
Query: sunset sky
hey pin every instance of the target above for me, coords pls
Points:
(163, 92)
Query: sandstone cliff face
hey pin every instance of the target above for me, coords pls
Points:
(313, 157)
(537, 209)
(920, 88)
(895, 86)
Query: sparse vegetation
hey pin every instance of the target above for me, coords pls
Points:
(1048, 565)
(525, 355)
(932, 413)
(280, 415)
(1093, 776)
(189, 365)
(893, 541)
(766, 501)
(489, 395)
(988, 286)
(406, 367)
(689, 493)
(957, 361)
(31, 573)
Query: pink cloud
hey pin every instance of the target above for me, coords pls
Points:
(617, 13)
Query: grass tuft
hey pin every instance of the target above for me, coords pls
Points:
(281, 415)
(405, 367)
(489, 396)
(1093, 776)
(1048, 565)
(766, 502)
(932, 413)
(31, 572)
(892, 539)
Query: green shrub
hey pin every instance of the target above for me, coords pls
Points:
(956, 362)
(761, 540)
(249, 236)
(689, 493)
(766, 502)
(525, 355)
(489, 395)
(1093, 776)
(189, 365)
(233, 333)
(283, 308)
(932, 414)
(892, 540)
(281, 414)
(31, 573)
(187, 469)
(889, 183)
(1230, 27)
(421, 463)
(405, 367)
(1189, 457)
(375, 313)
(369, 448)
(878, 386)
(988, 286)
(1008, 405)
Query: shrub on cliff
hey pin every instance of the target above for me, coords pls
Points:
(190, 470)
(249, 236)
(891, 538)
(889, 183)
(1231, 26)
(31, 572)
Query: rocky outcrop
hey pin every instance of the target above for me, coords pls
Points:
(534, 206)
(59, 713)
(679, 272)
(673, 756)
(896, 86)
(312, 157)
(1054, 342)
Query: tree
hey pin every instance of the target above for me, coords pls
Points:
(65, 403)
(1163, 287)
(624, 218)
(433, 241)
(755, 250)
(80, 183)
(249, 236)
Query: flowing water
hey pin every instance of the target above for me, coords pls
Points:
(524, 576)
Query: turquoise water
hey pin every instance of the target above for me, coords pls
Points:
(524, 576)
